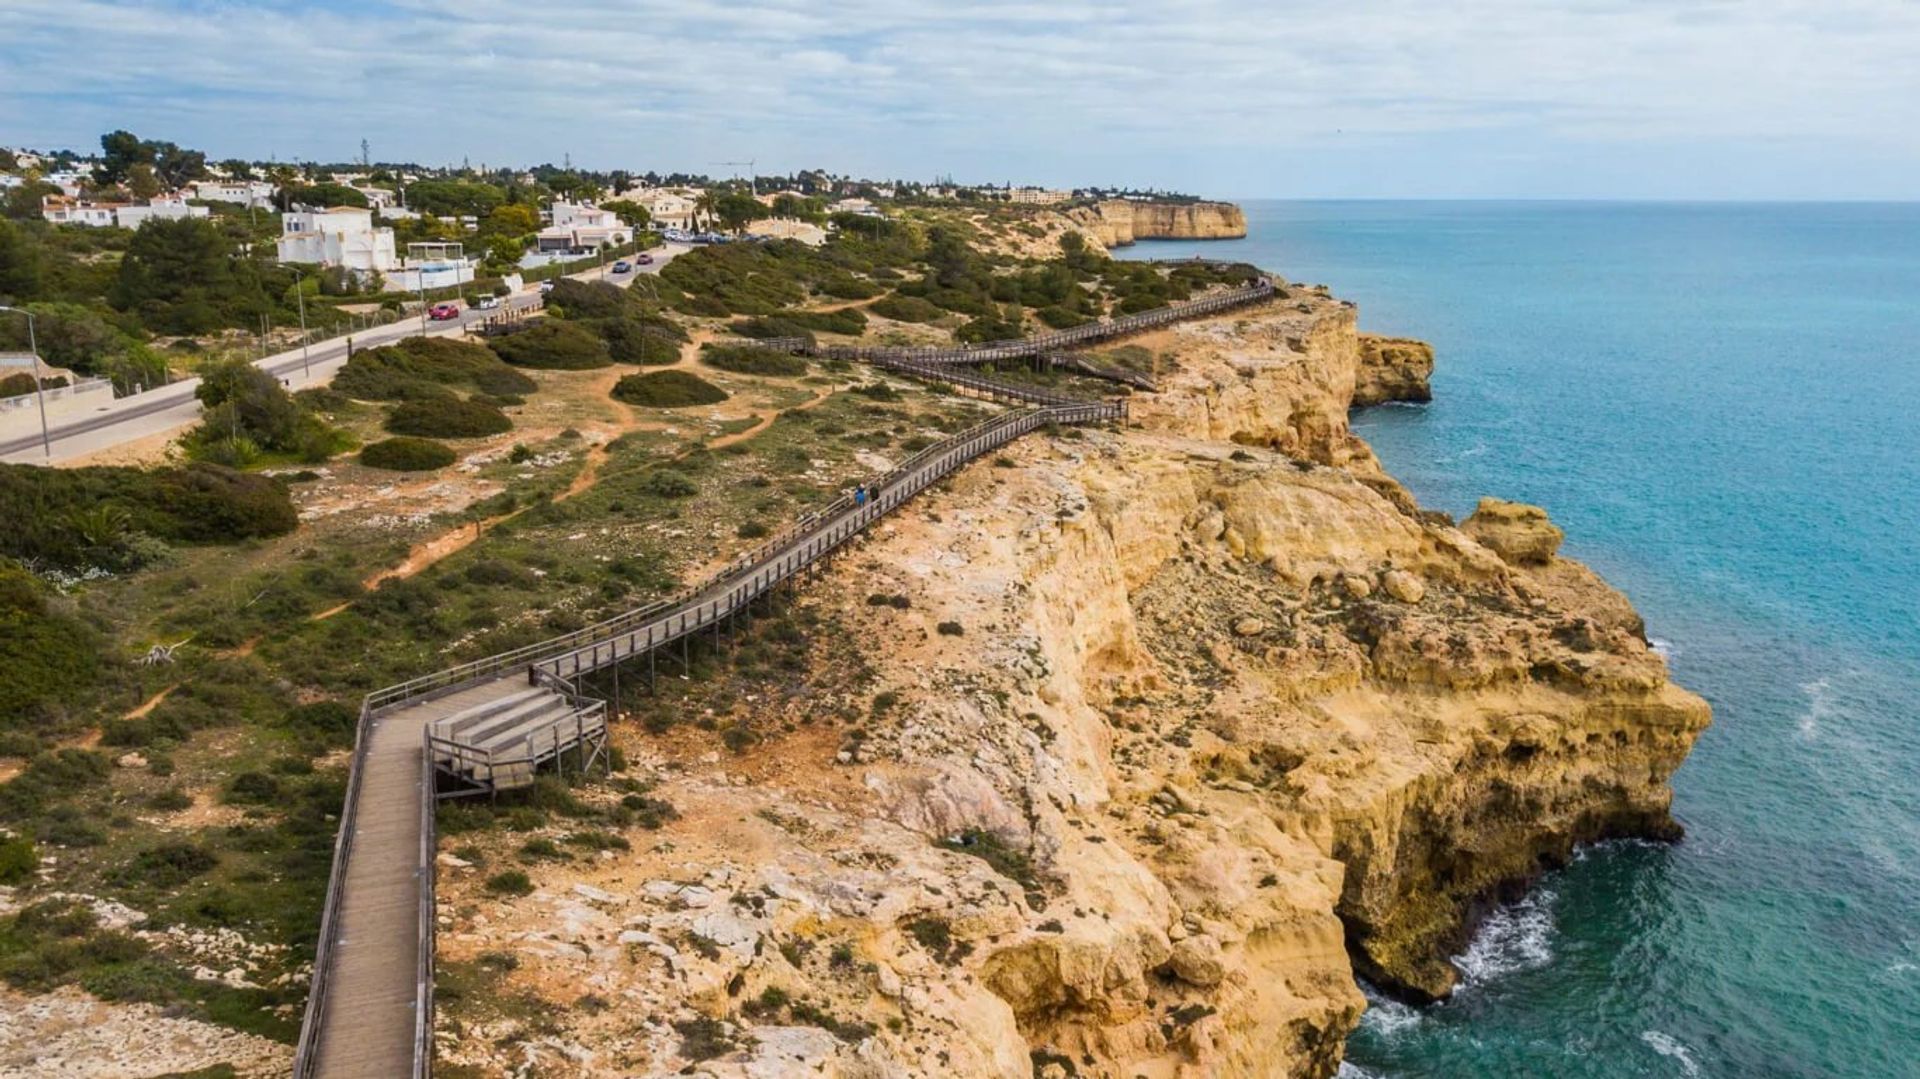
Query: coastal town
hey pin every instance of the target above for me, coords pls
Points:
(443, 607)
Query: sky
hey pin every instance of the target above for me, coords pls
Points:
(1696, 99)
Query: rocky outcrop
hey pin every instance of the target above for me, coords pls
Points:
(1119, 222)
(1232, 721)
(1519, 533)
(1392, 369)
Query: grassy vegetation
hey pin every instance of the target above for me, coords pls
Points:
(750, 360)
(554, 344)
(418, 367)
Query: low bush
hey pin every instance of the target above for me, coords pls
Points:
(554, 344)
(510, 882)
(420, 366)
(643, 342)
(47, 656)
(77, 517)
(668, 483)
(667, 389)
(407, 454)
(951, 629)
(18, 860)
(447, 417)
(750, 360)
(905, 309)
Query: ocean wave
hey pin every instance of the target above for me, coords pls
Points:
(1515, 937)
(1663, 648)
(1819, 707)
(1669, 1046)
(1387, 1017)
(1350, 1070)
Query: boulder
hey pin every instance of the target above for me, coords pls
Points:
(1520, 534)
(1404, 586)
(1249, 627)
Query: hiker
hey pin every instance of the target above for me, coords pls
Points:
(860, 495)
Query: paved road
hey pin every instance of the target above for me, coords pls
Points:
(174, 406)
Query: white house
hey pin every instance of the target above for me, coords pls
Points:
(127, 215)
(164, 208)
(1037, 196)
(855, 206)
(244, 192)
(69, 181)
(668, 209)
(337, 236)
(578, 227)
(432, 265)
(69, 211)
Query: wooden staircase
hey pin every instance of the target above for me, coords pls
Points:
(498, 745)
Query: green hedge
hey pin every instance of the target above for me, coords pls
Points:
(641, 341)
(667, 389)
(447, 417)
(554, 344)
(750, 360)
(408, 454)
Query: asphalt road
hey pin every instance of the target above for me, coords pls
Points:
(174, 406)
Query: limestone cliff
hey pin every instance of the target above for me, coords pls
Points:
(1119, 222)
(1176, 729)
(1392, 369)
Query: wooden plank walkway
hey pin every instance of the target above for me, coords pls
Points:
(372, 1003)
(370, 1007)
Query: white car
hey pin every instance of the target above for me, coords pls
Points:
(487, 303)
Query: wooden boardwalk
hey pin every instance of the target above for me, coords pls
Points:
(370, 1007)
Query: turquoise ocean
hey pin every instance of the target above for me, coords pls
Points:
(1720, 403)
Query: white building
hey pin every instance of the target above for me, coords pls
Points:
(855, 206)
(431, 265)
(577, 227)
(127, 215)
(1037, 196)
(667, 209)
(244, 192)
(69, 181)
(337, 236)
(164, 208)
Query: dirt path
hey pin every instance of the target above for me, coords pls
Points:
(151, 703)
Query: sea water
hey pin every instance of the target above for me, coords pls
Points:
(1720, 403)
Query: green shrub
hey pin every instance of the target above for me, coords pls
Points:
(751, 360)
(554, 344)
(76, 517)
(407, 454)
(510, 882)
(587, 299)
(47, 656)
(668, 483)
(667, 389)
(420, 366)
(167, 865)
(635, 340)
(18, 860)
(253, 788)
(447, 417)
(950, 629)
(751, 530)
(905, 309)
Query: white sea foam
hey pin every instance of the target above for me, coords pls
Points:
(1669, 1046)
(1354, 1071)
(1515, 937)
(1662, 647)
(1386, 1017)
(1819, 707)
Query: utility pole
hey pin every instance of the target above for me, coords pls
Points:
(39, 385)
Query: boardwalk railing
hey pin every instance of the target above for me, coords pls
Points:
(694, 609)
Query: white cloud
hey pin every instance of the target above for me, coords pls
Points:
(1197, 93)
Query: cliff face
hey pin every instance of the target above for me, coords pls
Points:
(1392, 369)
(1118, 222)
(1174, 731)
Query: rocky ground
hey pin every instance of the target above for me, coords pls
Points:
(1119, 755)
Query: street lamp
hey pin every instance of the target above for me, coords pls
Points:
(39, 387)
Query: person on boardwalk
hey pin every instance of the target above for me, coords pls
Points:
(860, 495)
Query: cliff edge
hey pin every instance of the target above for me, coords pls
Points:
(1176, 730)
(1119, 222)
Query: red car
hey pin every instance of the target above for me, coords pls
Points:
(441, 312)
(644, 260)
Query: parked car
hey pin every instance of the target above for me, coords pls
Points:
(441, 312)
(644, 260)
(622, 266)
(546, 287)
(486, 303)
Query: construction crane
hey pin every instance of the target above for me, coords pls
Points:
(753, 182)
